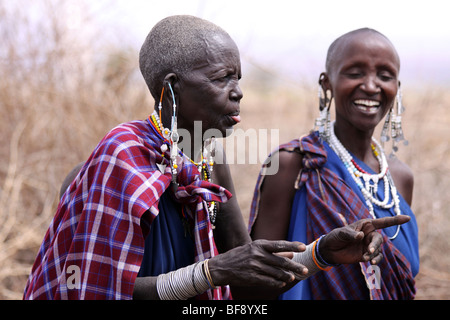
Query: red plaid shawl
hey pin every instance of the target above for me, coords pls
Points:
(94, 246)
(331, 203)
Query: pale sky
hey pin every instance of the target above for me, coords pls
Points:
(292, 36)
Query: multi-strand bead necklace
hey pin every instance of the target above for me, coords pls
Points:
(204, 167)
(368, 183)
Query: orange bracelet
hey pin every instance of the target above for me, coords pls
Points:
(314, 257)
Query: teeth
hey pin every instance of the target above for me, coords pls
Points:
(367, 103)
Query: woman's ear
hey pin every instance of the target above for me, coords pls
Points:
(324, 82)
(171, 87)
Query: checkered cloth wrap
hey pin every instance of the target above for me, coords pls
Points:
(331, 203)
(97, 226)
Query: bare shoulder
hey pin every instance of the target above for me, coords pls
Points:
(403, 177)
(285, 167)
(276, 196)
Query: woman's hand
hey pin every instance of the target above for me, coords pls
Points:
(255, 264)
(357, 242)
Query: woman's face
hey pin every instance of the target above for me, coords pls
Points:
(363, 79)
(210, 93)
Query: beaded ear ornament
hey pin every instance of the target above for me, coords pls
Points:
(323, 122)
(171, 137)
(394, 121)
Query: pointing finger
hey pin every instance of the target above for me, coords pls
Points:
(381, 223)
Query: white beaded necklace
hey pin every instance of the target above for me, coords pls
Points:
(368, 183)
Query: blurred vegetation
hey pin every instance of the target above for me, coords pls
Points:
(63, 86)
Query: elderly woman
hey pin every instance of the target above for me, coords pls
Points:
(339, 174)
(146, 220)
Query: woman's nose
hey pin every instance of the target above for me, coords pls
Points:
(236, 93)
(370, 84)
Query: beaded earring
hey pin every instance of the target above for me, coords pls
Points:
(174, 138)
(396, 125)
(394, 118)
(323, 122)
(385, 131)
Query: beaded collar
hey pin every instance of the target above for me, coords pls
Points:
(368, 183)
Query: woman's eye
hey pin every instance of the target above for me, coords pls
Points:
(354, 75)
(221, 78)
(225, 78)
(386, 76)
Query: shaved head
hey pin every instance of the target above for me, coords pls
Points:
(174, 45)
(343, 40)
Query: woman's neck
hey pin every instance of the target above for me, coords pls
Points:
(191, 140)
(357, 142)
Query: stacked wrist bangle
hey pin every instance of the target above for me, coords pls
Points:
(183, 283)
(311, 259)
(318, 260)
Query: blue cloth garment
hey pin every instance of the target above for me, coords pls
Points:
(167, 247)
(406, 242)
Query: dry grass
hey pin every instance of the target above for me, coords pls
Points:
(60, 93)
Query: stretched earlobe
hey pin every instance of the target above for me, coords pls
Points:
(324, 83)
(170, 86)
(324, 99)
(323, 122)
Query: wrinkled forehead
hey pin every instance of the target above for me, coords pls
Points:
(222, 47)
(367, 42)
(219, 48)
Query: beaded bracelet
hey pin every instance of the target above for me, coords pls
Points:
(315, 255)
(319, 257)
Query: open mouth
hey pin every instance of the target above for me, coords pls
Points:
(367, 106)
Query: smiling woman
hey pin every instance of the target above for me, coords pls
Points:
(362, 74)
(340, 173)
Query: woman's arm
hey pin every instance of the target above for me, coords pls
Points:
(403, 178)
(257, 265)
(277, 195)
(274, 213)
(253, 264)
(145, 289)
(230, 231)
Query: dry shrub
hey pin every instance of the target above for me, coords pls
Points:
(61, 91)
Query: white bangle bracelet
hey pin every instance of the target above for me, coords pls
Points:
(183, 283)
(307, 259)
